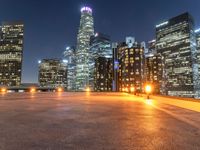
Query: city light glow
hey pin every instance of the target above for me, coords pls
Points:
(32, 90)
(60, 89)
(162, 24)
(198, 30)
(3, 90)
(148, 89)
(65, 61)
(88, 89)
(88, 9)
(149, 102)
(132, 89)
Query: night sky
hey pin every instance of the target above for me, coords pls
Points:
(51, 25)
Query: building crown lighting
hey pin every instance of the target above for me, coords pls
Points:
(86, 9)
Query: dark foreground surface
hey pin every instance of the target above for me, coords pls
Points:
(97, 121)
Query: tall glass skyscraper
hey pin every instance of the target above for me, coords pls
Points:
(69, 56)
(100, 46)
(11, 53)
(176, 42)
(86, 30)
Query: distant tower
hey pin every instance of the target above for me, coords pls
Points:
(53, 73)
(69, 56)
(86, 30)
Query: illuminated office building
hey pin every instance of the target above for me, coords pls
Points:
(100, 46)
(131, 66)
(176, 42)
(152, 47)
(198, 47)
(86, 30)
(11, 53)
(53, 73)
(154, 71)
(103, 74)
(69, 58)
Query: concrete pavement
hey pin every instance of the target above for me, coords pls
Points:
(95, 121)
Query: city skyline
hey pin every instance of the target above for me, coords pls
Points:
(45, 38)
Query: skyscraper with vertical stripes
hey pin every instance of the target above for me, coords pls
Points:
(86, 30)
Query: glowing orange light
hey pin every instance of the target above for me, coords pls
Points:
(148, 89)
(3, 90)
(132, 89)
(60, 89)
(88, 89)
(33, 90)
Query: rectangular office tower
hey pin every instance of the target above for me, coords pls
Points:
(11, 53)
(198, 46)
(176, 42)
(154, 71)
(100, 46)
(131, 64)
(53, 73)
(103, 74)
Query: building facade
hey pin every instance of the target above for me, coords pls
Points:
(86, 30)
(69, 57)
(152, 47)
(103, 74)
(53, 73)
(11, 53)
(154, 72)
(198, 47)
(131, 66)
(100, 46)
(175, 41)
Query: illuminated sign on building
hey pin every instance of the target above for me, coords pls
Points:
(162, 24)
(88, 9)
(116, 65)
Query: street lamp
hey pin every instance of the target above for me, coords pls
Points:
(132, 89)
(32, 90)
(3, 90)
(148, 90)
(88, 89)
(60, 89)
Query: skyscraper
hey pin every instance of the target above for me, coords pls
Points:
(86, 30)
(198, 47)
(69, 56)
(153, 71)
(103, 73)
(176, 42)
(53, 73)
(11, 53)
(131, 66)
(100, 46)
